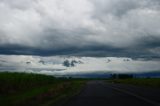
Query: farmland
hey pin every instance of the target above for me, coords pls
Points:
(22, 89)
(148, 82)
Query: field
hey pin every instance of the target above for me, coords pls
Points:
(22, 89)
(150, 82)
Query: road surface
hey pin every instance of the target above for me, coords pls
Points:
(100, 93)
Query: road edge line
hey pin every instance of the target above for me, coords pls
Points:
(137, 96)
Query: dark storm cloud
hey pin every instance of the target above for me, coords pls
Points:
(80, 28)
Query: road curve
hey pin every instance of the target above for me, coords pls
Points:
(99, 93)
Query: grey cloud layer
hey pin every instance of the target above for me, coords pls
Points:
(62, 65)
(80, 27)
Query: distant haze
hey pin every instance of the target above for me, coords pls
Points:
(62, 66)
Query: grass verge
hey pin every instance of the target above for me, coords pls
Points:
(150, 82)
(22, 89)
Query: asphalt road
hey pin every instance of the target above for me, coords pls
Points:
(100, 93)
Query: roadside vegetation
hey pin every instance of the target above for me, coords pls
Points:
(150, 82)
(129, 79)
(22, 89)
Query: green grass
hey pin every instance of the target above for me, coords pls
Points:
(150, 82)
(22, 89)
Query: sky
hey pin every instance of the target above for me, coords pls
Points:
(58, 30)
